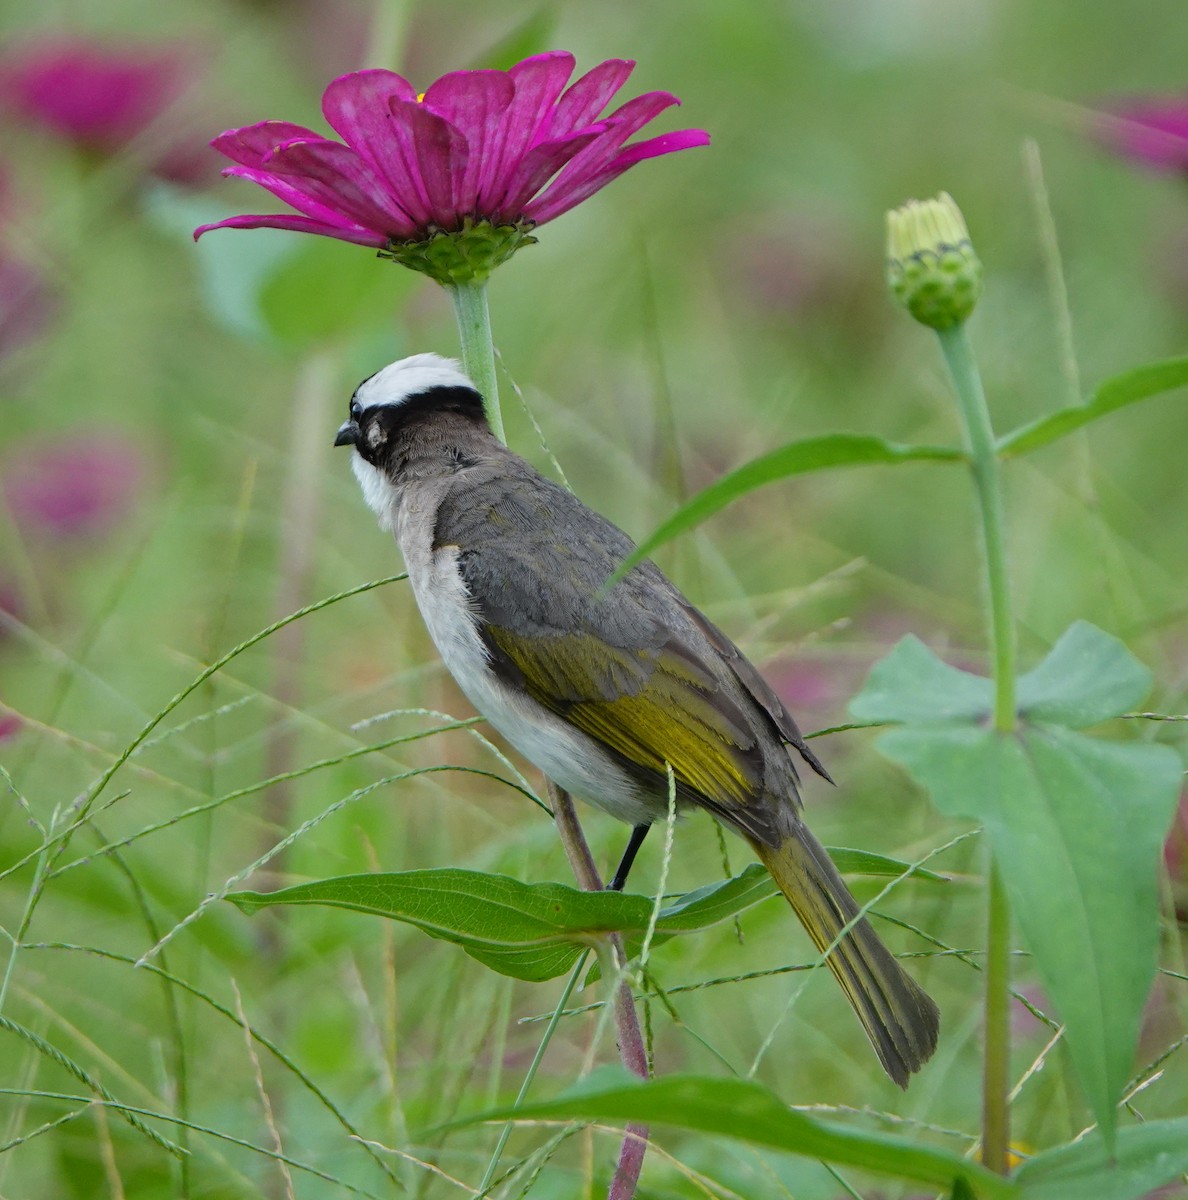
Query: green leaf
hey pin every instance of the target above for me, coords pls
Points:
(1144, 1157)
(1127, 388)
(796, 458)
(1088, 676)
(535, 931)
(864, 862)
(913, 685)
(531, 931)
(326, 289)
(745, 1110)
(720, 901)
(1075, 825)
(232, 267)
(533, 35)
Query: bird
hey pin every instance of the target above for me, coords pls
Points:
(605, 689)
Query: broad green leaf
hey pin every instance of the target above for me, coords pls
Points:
(232, 266)
(1116, 393)
(1075, 825)
(796, 458)
(531, 931)
(326, 289)
(863, 862)
(1088, 676)
(1144, 1158)
(535, 931)
(912, 685)
(720, 901)
(745, 1110)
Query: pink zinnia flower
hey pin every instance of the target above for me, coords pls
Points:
(76, 488)
(481, 158)
(1152, 131)
(99, 98)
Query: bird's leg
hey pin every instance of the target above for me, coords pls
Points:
(638, 833)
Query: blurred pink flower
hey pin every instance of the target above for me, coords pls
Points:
(100, 98)
(506, 148)
(94, 96)
(10, 726)
(1175, 858)
(1150, 130)
(76, 488)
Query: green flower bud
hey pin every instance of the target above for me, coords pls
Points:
(932, 269)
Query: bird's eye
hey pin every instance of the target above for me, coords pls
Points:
(356, 410)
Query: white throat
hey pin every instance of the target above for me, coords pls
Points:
(382, 496)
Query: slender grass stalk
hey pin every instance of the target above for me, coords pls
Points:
(478, 350)
(530, 1075)
(975, 415)
(632, 1051)
(301, 510)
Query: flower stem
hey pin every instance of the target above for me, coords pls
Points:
(984, 460)
(478, 351)
(996, 1132)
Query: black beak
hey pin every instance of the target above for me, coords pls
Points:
(348, 434)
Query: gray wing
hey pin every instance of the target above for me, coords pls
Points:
(638, 668)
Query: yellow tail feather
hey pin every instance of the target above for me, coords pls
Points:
(899, 1017)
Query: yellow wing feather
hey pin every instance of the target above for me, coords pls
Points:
(647, 706)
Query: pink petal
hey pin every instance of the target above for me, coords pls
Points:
(435, 154)
(618, 127)
(344, 232)
(474, 103)
(537, 167)
(299, 198)
(563, 195)
(356, 105)
(253, 143)
(538, 82)
(1152, 131)
(588, 97)
(639, 110)
(335, 176)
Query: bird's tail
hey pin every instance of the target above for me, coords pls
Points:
(899, 1017)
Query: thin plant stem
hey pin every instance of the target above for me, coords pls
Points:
(632, 1052)
(301, 509)
(984, 461)
(478, 350)
(996, 1084)
(571, 983)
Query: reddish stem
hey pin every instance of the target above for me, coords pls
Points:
(628, 1033)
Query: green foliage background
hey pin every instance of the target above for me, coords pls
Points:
(701, 311)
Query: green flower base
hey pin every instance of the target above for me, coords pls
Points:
(466, 255)
(940, 286)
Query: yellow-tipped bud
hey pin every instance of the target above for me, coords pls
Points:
(932, 269)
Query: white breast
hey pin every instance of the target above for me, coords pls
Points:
(570, 758)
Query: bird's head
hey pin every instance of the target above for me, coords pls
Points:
(403, 394)
(421, 404)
